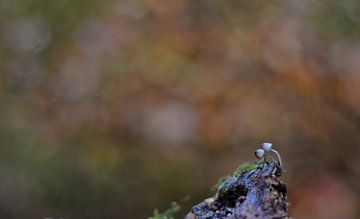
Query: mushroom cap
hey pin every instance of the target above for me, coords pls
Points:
(259, 153)
(267, 146)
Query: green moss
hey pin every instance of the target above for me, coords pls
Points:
(244, 168)
(168, 214)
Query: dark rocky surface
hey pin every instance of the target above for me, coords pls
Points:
(257, 193)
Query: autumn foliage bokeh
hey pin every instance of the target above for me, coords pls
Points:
(109, 109)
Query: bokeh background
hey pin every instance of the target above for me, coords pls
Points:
(111, 108)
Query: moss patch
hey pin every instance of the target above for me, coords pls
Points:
(242, 169)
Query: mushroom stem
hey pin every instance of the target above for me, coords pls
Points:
(278, 155)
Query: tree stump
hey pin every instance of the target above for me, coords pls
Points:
(257, 193)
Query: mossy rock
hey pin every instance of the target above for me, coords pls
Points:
(252, 191)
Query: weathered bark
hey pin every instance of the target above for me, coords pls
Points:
(255, 194)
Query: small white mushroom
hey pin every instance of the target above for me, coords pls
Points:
(267, 146)
(278, 155)
(259, 153)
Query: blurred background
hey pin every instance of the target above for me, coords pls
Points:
(112, 108)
